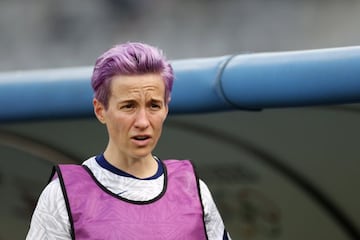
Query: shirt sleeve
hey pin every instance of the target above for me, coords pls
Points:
(214, 224)
(50, 219)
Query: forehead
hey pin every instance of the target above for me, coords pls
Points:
(122, 85)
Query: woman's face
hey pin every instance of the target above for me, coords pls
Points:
(135, 114)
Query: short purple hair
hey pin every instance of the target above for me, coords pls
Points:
(131, 58)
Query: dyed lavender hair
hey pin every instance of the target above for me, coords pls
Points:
(130, 58)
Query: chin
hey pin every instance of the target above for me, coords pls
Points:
(141, 154)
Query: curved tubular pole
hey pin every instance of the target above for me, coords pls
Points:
(196, 86)
(288, 79)
(45, 94)
(239, 82)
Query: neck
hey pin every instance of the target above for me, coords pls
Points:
(143, 167)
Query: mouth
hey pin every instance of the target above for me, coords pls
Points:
(141, 137)
(141, 140)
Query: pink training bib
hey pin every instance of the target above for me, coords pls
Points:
(96, 213)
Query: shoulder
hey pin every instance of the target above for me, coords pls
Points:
(176, 163)
(213, 220)
(205, 193)
(51, 200)
(52, 191)
(90, 161)
(50, 218)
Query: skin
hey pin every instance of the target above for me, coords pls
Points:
(134, 118)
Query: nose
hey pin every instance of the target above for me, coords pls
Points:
(141, 120)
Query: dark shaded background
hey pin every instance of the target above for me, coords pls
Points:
(275, 174)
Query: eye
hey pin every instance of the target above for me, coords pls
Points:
(127, 106)
(155, 105)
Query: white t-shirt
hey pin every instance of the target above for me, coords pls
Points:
(50, 219)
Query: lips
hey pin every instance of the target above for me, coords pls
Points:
(141, 140)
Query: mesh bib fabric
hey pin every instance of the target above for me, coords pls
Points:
(97, 213)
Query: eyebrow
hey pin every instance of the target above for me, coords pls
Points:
(130, 100)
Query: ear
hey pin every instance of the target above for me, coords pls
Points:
(166, 111)
(99, 110)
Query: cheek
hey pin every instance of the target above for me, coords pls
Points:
(117, 124)
(159, 123)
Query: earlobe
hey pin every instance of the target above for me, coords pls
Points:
(99, 110)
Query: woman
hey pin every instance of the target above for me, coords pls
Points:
(126, 192)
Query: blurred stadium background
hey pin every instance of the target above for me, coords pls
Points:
(275, 174)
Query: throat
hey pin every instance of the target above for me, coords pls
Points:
(137, 168)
